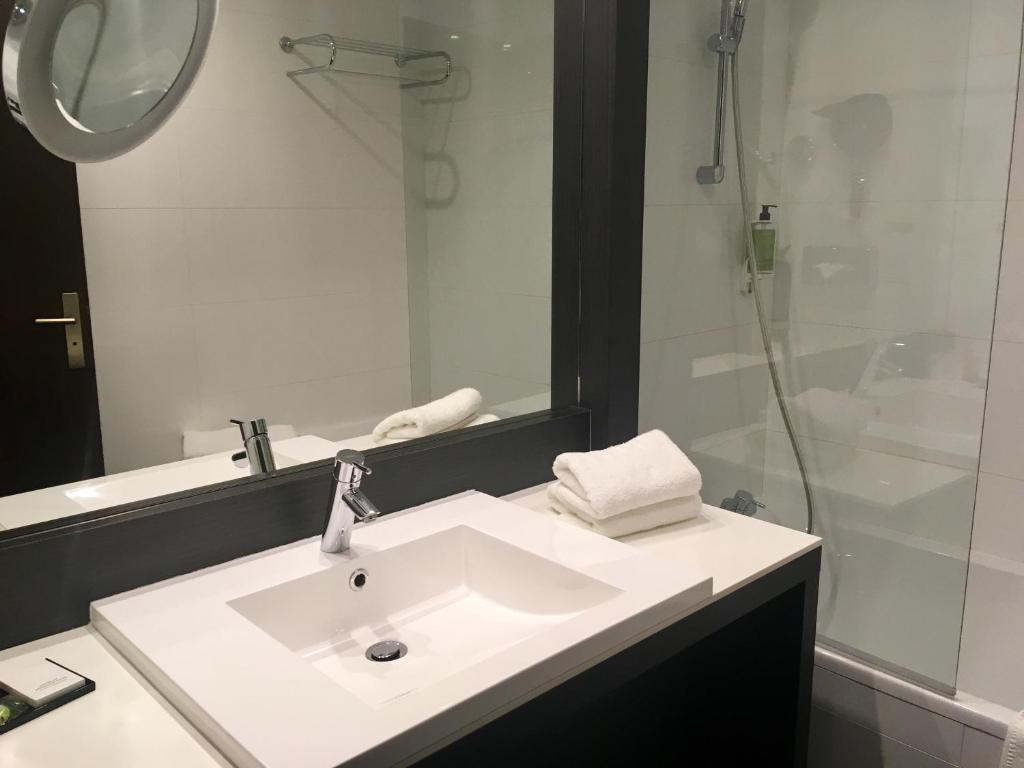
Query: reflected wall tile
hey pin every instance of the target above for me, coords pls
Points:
(147, 177)
(483, 248)
(135, 258)
(501, 334)
(884, 268)
(329, 408)
(878, 136)
(146, 377)
(293, 200)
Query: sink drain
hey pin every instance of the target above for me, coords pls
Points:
(386, 650)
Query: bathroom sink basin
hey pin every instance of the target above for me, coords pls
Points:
(468, 607)
(452, 599)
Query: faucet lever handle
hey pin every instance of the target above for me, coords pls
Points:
(350, 466)
(251, 427)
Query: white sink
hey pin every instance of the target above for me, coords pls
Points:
(495, 604)
(454, 598)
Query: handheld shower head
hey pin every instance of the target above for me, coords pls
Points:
(739, 19)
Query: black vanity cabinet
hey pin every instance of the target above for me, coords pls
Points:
(727, 686)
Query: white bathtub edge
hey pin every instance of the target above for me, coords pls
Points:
(964, 708)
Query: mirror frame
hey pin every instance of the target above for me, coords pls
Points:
(600, 108)
(27, 58)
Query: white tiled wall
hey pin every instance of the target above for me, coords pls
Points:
(479, 216)
(701, 363)
(894, 184)
(890, 237)
(249, 260)
(858, 726)
(990, 663)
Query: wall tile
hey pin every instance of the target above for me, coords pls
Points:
(989, 108)
(980, 750)
(838, 743)
(693, 270)
(1004, 418)
(916, 727)
(135, 258)
(995, 27)
(993, 626)
(1009, 324)
(974, 267)
(999, 517)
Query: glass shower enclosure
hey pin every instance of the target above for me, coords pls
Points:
(883, 132)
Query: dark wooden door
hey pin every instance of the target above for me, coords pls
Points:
(50, 426)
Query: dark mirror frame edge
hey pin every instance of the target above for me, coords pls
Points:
(600, 106)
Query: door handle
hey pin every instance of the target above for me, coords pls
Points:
(73, 338)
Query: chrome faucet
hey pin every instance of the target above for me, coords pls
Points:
(347, 503)
(256, 439)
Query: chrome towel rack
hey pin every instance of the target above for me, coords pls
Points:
(400, 55)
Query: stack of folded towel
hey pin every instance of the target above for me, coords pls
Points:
(455, 411)
(642, 484)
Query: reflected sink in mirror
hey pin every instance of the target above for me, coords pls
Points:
(453, 599)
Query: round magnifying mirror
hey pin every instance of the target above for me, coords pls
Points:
(92, 79)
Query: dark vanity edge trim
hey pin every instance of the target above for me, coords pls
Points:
(615, 140)
(61, 570)
(567, 200)
(213, 491)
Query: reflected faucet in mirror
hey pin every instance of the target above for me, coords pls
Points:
(256, 440)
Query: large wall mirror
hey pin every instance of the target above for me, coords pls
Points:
(348, 216)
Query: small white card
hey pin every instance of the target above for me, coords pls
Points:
(38, 682)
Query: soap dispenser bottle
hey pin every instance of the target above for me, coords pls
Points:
(763, 232)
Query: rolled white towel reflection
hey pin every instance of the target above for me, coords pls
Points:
(1013, 748)
(648, 469)
(436, 416)
(646, 518)
(203, 442)
(486, 418)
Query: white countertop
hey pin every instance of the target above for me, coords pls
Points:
(125, 722)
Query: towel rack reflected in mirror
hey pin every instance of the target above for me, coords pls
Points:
(400, 55)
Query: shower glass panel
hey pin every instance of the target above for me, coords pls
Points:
(883, 132)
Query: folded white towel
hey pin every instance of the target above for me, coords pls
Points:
(201, 442)
(642, 519)
(646, 470)
(1013, 749)
(449, 412)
